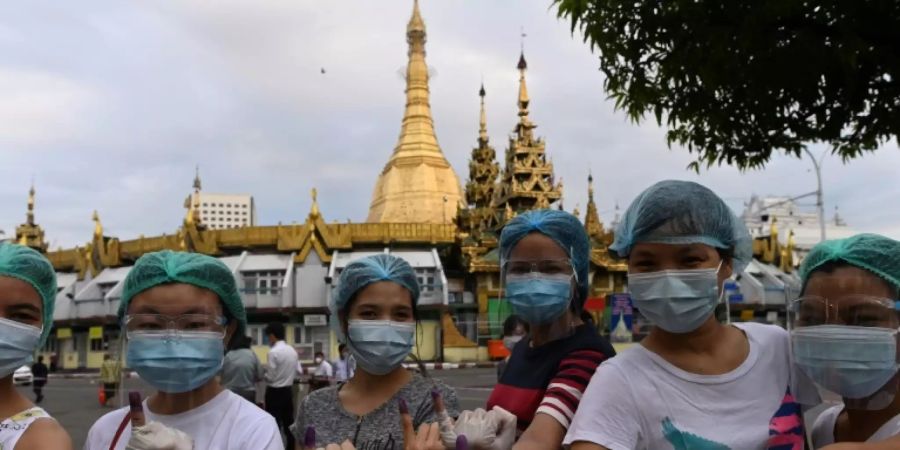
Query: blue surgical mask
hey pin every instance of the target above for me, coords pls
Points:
(853, 362)
(17, 345)
(678, 301)
(380, 346)
(539, 298)
(175, 362)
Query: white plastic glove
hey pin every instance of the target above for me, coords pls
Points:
(156, 436)
(506, 428)
(445, 422)
(479, 427)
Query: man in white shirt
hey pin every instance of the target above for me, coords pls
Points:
(323, 374)
(280, 373)
(345, 366)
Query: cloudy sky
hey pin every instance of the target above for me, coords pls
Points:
(109, 105)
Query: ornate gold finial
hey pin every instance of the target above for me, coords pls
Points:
(482, 123)
(314, 209)
(415, 22)
(592, 223)
(576, 212)
(98, 227)
(29, 218)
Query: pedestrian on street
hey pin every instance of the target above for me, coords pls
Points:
(374, 307)
(178, 310)
(345, 365)
(241, 370)
(110, 374)
(323, 374)
(281, 370)
(514, 330)
(27, 295)
(39, 373)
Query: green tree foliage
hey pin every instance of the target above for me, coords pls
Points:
(735, 80)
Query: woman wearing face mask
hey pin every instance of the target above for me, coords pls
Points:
(374, 311)
(692, 382)
(514, 330)
(544, 261)
(178, 310)
(27, 293)
(844, 335)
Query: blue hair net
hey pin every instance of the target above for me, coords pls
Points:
(565, 229)
(683, 212)
(877, 254)
(26, 264)
(372, 269)
(163, 267)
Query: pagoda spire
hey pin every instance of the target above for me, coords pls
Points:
(528, 181)
(592, 223)
(30, 233)
(197, 184)
(483, 171)
(482, 123)
(417, 185)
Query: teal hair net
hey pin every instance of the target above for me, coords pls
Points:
(154, 269)
(26, 264)
(683, 212)
(372, 269)
(877, 254)
(565, 229)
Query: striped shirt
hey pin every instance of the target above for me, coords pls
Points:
(550, 379)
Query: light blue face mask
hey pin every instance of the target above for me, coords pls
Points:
(678, 301)
(853, 362)
(380, 346)
(17, 345)
(539, 298)
(176, 362)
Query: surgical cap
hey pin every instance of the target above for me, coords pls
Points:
(372, 269)
(26, 264)
(564, 229)
(683, 212)
(872, 252)
(158, 268)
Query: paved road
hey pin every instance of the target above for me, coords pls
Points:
(74, 402)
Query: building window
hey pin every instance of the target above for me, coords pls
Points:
(96, 345)
(105, 288)
(427, 279)
(263, 282)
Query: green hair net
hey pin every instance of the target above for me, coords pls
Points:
(365, 271)
(683, 212)
(26, 264)
(565, 229)
(154, 269)
(877, 254)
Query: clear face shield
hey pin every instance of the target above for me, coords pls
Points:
(847, 347)
(541, 292)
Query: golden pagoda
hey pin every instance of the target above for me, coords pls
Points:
(30, 233)
(527, 181)
(479, 214)
(596, 231)
(417, 185)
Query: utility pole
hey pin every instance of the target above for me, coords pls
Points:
(820, 201)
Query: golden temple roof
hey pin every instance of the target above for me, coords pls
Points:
(417, 185)
(30, 233)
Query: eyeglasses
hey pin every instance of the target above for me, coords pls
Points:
(546, 267)
(186, 322)
(852, 310)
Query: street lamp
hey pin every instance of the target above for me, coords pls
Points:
(820, 202)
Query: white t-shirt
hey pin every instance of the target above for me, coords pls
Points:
(13, 428)
(227, 422)
(324, 370)
(638, 400)
(823, 429)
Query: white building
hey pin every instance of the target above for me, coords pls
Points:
(761, 211)
(222, 211)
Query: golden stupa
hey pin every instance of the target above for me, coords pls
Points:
(417, 185)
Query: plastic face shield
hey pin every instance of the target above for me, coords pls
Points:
(847, 347)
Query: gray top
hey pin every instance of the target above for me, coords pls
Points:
(377, 430)
(241, 370)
